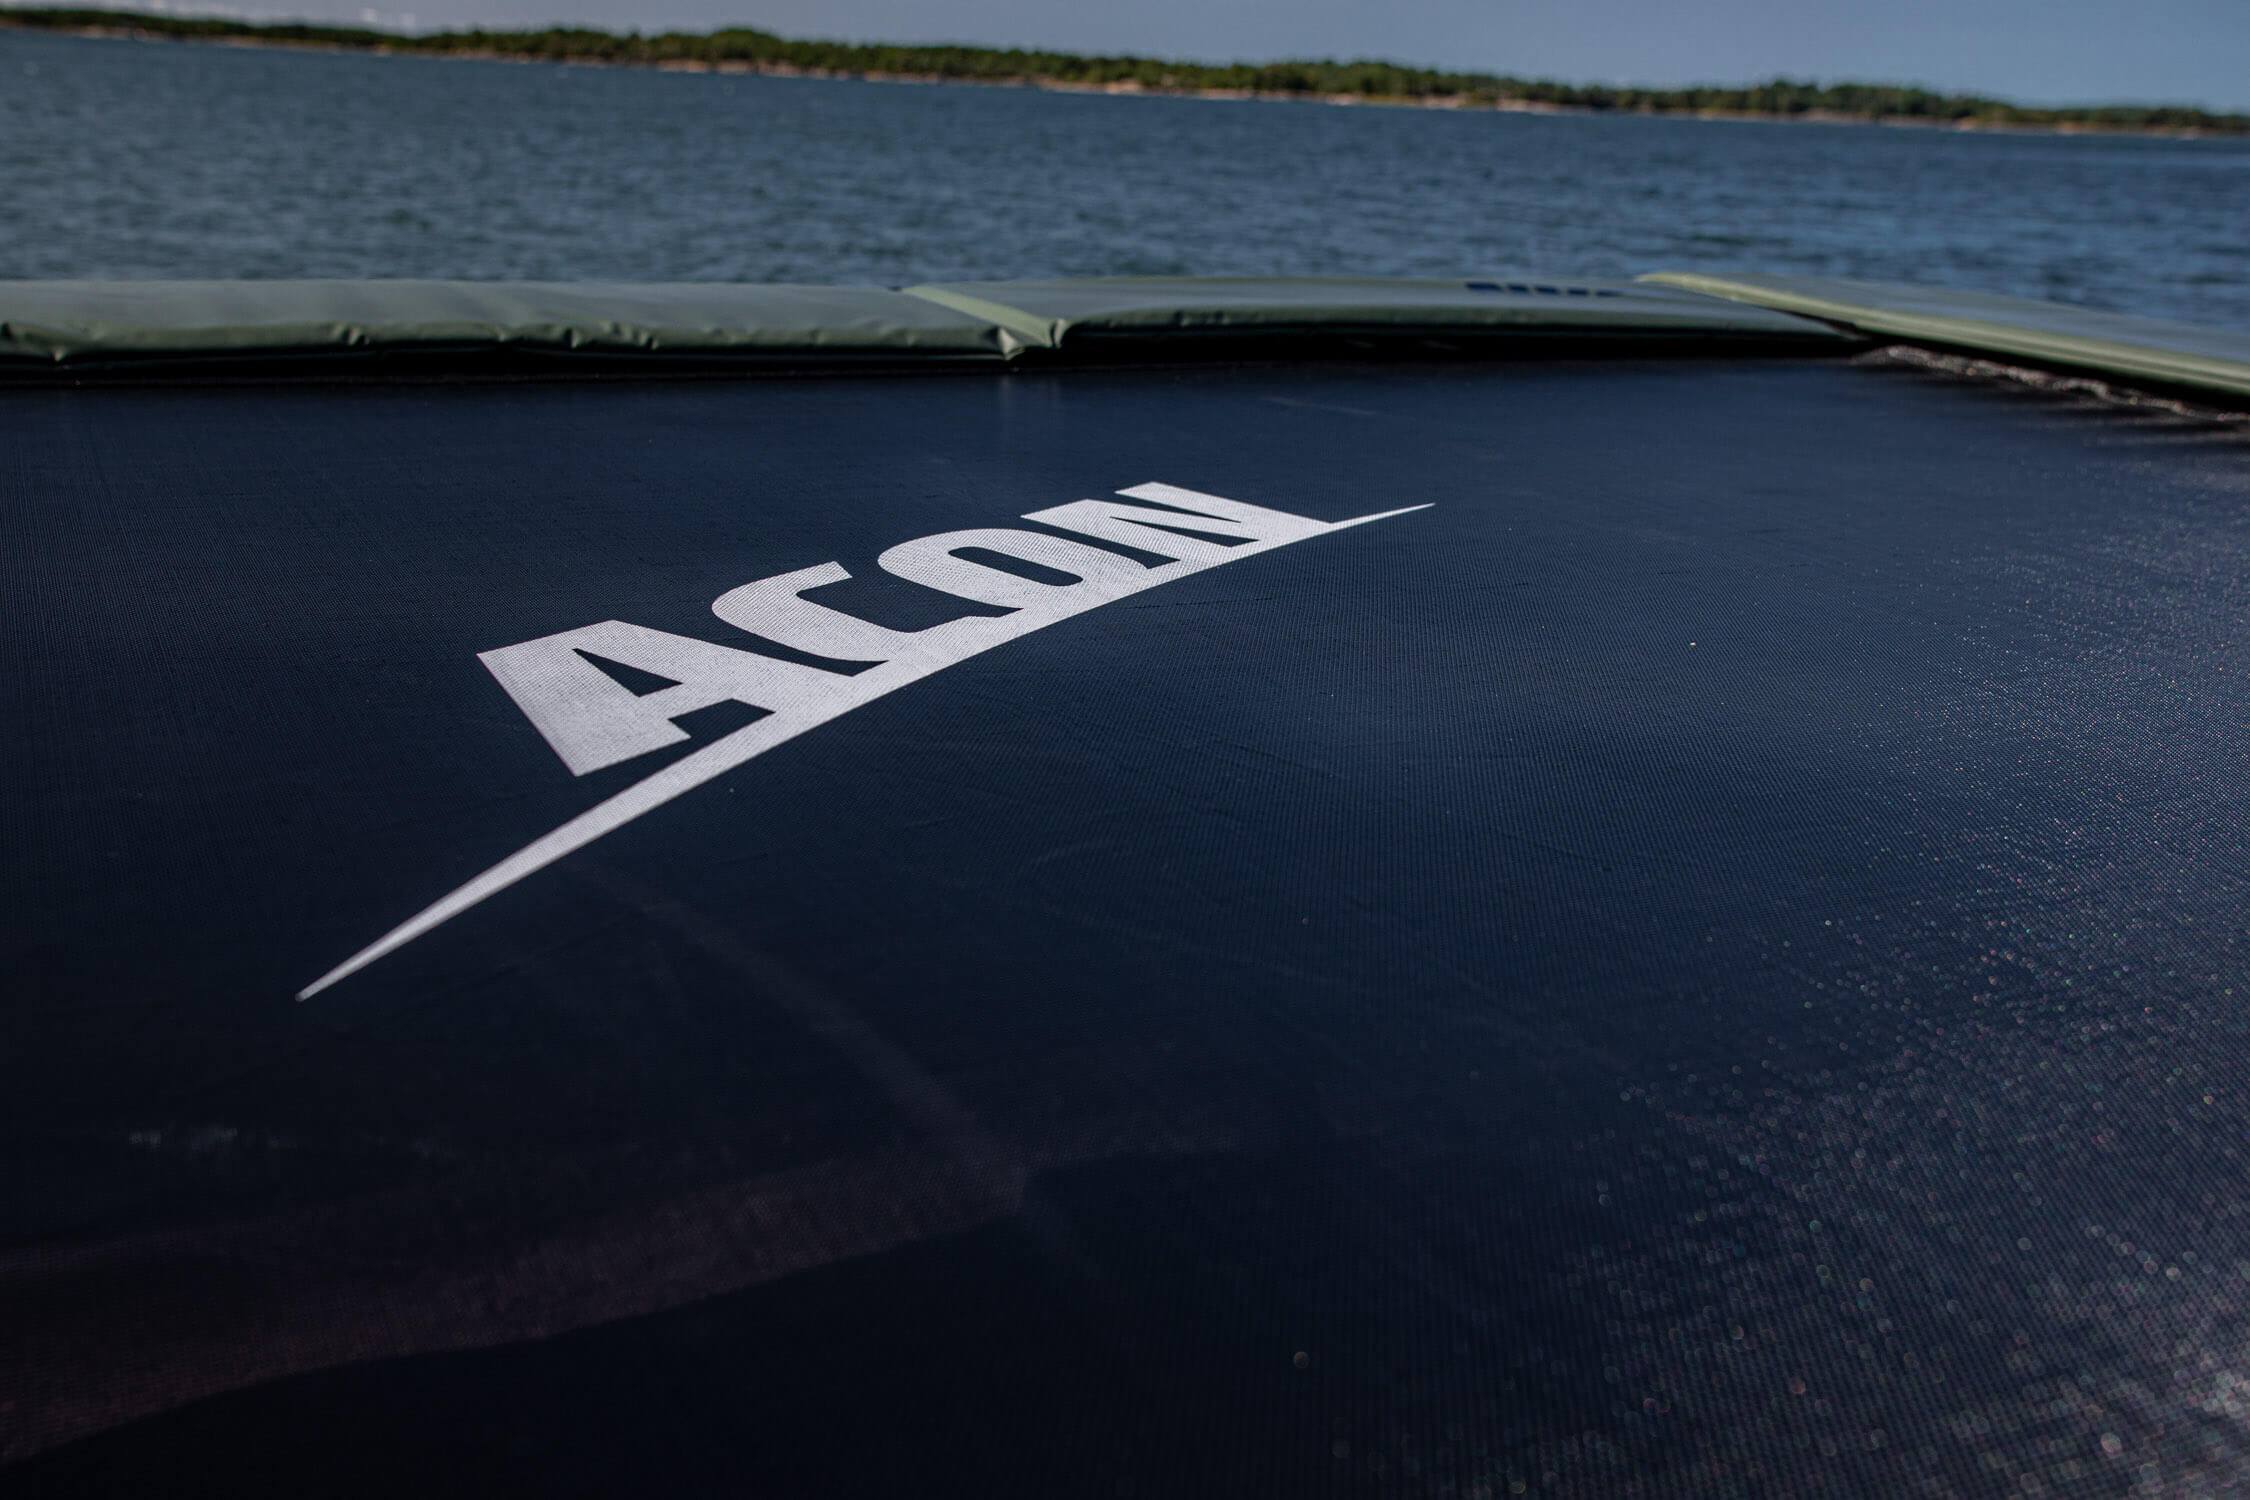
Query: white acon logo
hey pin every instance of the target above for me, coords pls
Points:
(593, 721)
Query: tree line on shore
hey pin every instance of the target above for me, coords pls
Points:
(1371, 81)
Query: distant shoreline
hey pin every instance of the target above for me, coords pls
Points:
(1378, 84)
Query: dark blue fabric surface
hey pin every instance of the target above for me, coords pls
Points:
(1706, 962)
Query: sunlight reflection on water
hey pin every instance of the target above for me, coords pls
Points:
(133, 159)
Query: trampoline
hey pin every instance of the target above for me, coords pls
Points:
(1460, 889)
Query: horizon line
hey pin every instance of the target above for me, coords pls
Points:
(245, 24)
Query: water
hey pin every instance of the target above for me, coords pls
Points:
(133, 159)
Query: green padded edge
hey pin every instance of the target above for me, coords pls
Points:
(91, 326)
(2180, 354)
(1058, 314)
(1034, 332)
(55, 323)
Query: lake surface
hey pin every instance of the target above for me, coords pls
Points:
(160, 159)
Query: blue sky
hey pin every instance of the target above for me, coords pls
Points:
(2038, 51)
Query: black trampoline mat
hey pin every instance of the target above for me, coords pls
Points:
(1706, 961)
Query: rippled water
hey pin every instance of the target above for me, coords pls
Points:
(164, 159)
